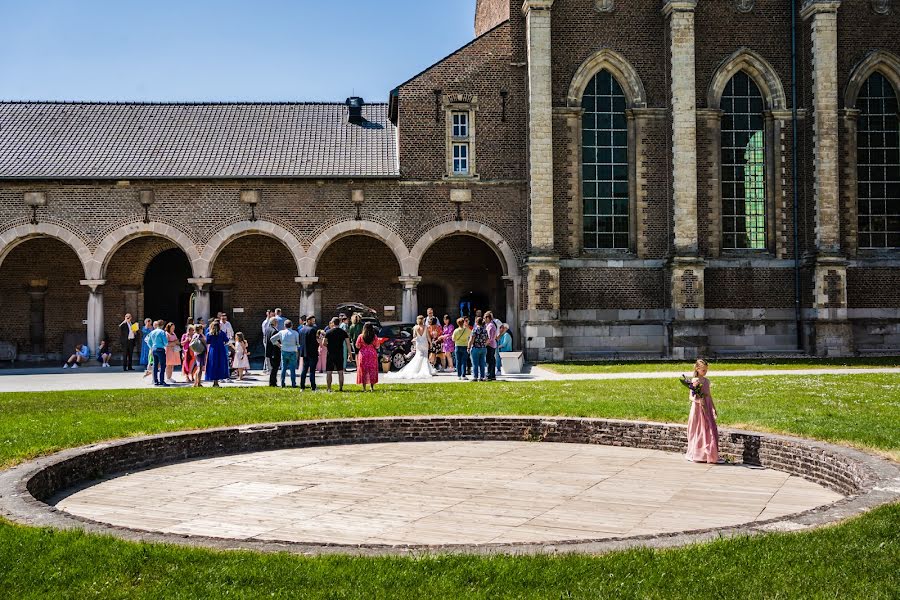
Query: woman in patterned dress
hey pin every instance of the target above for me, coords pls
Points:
(448, 347)
(367, 357)
(187, 362)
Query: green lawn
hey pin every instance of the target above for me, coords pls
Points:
(736, 364)
(857, 559)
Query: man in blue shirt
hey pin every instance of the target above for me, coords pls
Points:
(157, 340)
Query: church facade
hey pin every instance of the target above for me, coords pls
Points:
(640, 178)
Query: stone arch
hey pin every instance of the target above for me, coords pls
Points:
(880, 61)
(244, 228)
(619, 67)
(493, 239)
(346, 228)
(11, 238)
(759, 70)
(124, 234)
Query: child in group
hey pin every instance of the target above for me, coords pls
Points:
(703, 434)
(241, 360)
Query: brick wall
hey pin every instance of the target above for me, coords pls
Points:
(481, 68)
(489, 14)
(749, 288)
(358, 268)
(587, 288)
(43, 263)
(873, 288)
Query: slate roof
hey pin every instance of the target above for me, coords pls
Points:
(59, 140)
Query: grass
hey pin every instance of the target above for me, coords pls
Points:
(859, 559)
(733, 364)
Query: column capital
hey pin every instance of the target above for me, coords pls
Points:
(200, 282)
(306, 281)
(93, 283)
(679, 6)
(530, 5)
(814, 7)
(409, 282)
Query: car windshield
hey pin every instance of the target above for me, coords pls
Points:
(386, 332)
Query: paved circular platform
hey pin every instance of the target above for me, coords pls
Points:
(443, 493)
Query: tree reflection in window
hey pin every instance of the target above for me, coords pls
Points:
(605, 165)
(878, 165)
(743, 165)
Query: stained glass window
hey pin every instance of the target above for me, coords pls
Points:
(743, 165)
(604, 165)
(878, 165)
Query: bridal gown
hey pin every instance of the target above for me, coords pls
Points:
(418, 367)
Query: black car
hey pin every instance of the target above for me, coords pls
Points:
(396, 342)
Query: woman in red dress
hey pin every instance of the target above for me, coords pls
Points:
(367, 358)
(187, 364)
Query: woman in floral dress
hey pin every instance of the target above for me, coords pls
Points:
(367, 357)
(448, 346)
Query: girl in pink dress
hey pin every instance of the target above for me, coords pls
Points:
(173, 354)
(367, 358)
(187, 363)
(703, 435)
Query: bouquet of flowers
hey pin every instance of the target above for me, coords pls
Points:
(696, 388)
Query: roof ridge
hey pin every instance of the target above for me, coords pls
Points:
(185, 103)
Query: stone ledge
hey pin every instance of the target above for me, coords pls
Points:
(865, 480)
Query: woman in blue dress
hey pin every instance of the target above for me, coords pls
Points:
(145, 349)
(216, 354)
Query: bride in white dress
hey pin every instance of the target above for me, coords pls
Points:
(418, 367)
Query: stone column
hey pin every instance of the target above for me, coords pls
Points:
(131, 293)
(540, 123)
(831, 332)
(94, 312)
(37, 293)
(825, 121)
(307, 295)
(688, 330)
(684, 124)
(201, 297)
(410, 298)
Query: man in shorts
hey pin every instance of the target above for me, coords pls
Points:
(336, 340)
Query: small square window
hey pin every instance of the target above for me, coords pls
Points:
(460, 159)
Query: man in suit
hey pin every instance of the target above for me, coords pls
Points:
(309, 350)
(128, 338)
(273, 352)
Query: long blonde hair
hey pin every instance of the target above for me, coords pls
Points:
(700, 363)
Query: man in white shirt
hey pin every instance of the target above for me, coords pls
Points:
(128, 338)
(226, 326)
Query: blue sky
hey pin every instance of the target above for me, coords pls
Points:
(194, 50)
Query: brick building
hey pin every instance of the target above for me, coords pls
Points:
(610, 176)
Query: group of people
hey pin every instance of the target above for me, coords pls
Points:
(288, 348)
(469, 345)
(204, 352)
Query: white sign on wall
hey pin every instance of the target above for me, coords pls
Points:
(237, 310)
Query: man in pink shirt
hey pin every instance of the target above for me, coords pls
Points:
(491, 346)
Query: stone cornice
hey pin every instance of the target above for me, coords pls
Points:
(679, 6)
(530, 5)
(812, 7)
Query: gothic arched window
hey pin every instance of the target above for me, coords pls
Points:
(743, 165)
(878, 164)
(604, 137)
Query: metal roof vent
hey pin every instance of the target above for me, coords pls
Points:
(355, 105)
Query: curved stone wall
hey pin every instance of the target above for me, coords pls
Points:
(866, 481)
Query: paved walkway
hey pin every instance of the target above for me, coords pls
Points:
(95, 378)
(444, 493)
